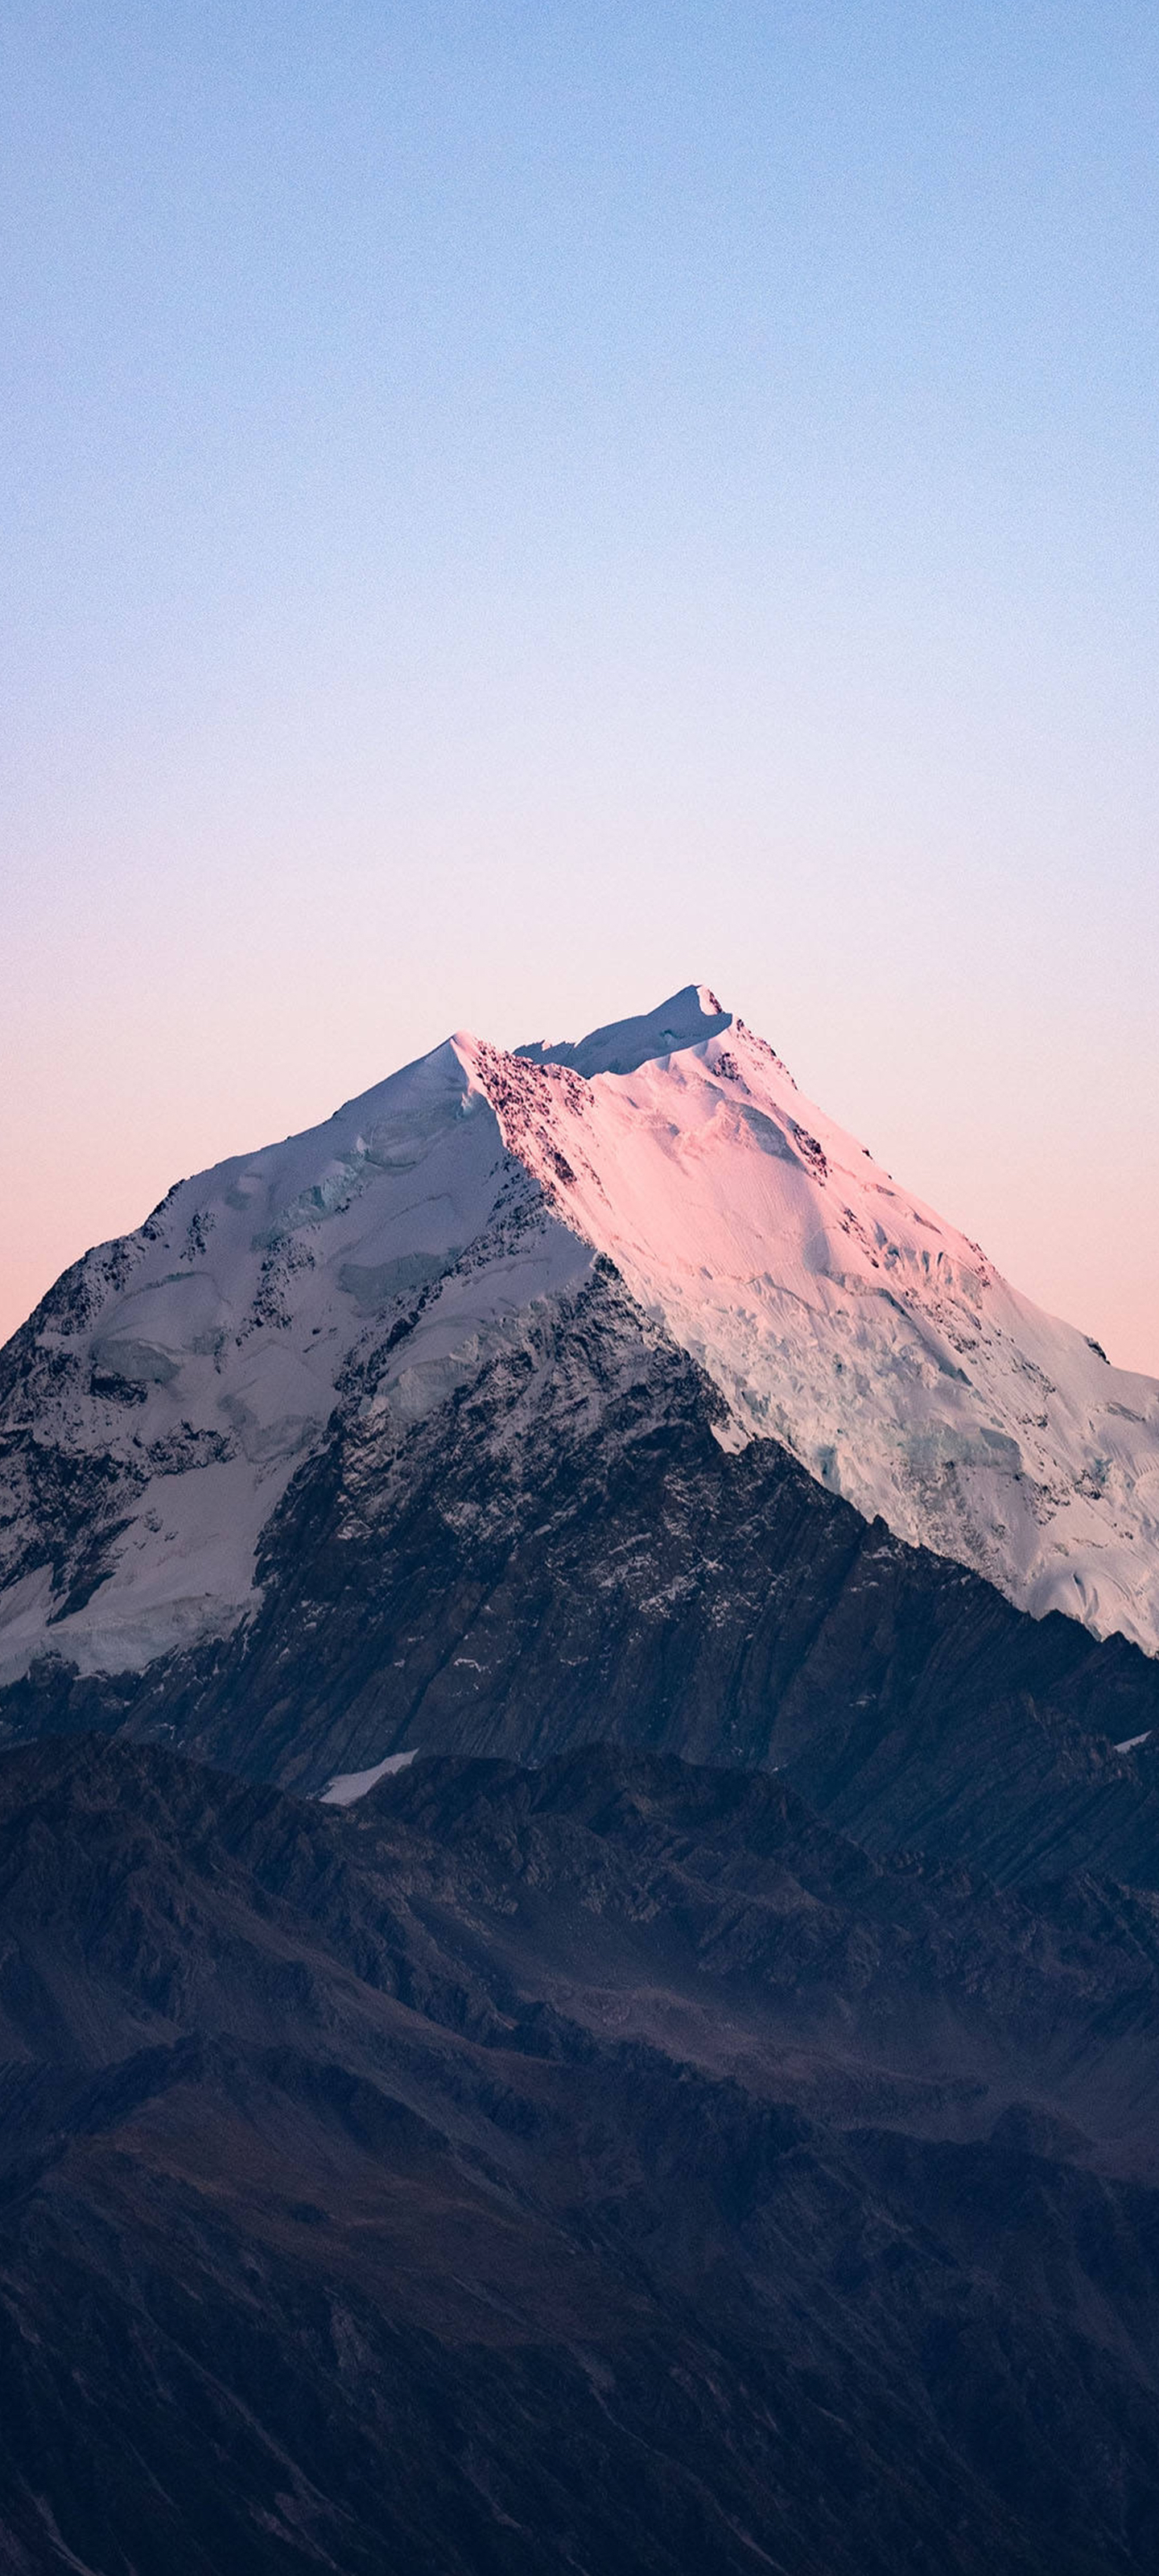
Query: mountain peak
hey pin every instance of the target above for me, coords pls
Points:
(686, 1019)
(167, 1394)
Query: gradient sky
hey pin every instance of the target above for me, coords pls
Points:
(511, 509)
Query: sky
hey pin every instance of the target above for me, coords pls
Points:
(511, 509)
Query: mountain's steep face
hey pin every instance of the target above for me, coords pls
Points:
(346, 1305)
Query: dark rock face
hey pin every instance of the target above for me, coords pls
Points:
(564, 1550)
(603, 2167)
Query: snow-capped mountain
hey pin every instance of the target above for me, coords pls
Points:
(577, 1406)
(158, 1404)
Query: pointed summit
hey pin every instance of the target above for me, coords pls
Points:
(686, 1019)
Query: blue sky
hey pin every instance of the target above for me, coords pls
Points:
(509, 509)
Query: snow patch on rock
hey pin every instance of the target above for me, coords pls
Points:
(345, 1789)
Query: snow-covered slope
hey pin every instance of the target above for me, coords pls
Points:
(157, 1405)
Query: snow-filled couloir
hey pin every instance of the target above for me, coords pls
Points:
(160, 1400)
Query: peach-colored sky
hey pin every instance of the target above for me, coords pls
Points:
(1012, 1088)
(507, 511)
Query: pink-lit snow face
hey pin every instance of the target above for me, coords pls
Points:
(839, 1314)
(1065, 1199)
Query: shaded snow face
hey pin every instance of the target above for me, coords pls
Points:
(163, 1397)
(160, 1401)
(684, 1021)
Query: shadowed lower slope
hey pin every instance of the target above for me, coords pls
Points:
(599, 2168)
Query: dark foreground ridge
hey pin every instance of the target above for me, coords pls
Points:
(603, 2168)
